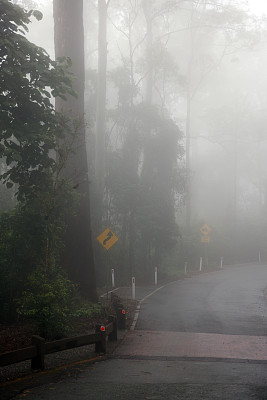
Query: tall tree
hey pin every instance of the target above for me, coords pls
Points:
(101, 106)
(206, 25)
(149, 47)
(144, 196)
(69, 42)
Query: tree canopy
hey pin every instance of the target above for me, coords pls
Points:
(29, 79)
(35, 144)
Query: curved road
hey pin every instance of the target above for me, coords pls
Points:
(230, 302)
(203, 338)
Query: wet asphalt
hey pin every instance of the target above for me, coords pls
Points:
(229, 302)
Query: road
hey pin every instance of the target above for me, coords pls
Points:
(199, 338)
(227, 302)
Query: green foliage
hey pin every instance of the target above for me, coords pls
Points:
(7, 198)
(29, 126)
(142, 179)
(88, 310)
(32, 133)
(32, 234)
(122, 81)
(47, 300)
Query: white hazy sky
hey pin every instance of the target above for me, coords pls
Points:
(258, 6)
(41, 32)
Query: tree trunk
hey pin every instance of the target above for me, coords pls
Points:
(101, 109)
(149, 43)
(188, 159)
(69, 42)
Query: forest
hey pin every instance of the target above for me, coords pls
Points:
(147, 118)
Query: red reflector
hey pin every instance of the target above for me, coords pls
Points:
(123, 311)
(102, 328)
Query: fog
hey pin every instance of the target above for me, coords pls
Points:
(206, 69)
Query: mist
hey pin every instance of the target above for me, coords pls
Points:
(133, 199)
(183, 124)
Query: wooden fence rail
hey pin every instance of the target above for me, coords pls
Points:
(36, 353)
(16, 356)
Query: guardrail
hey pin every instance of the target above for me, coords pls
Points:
(36, 353)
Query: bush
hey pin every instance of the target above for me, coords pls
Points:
(89, 310)
(48, 301)
(32, 133)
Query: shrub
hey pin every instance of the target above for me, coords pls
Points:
(48, 301)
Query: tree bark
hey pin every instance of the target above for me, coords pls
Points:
(188, 157)
(149, 44)
(101, 108)
(69, 42)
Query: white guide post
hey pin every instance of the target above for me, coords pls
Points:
(200, 264)
(133, 288)
(156, 276)
(221, 262)
(112, 278)
(185, 268)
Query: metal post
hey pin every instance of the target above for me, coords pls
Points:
(107, 273)
(133, 288)
(112, 278)
(207, 254)
(200, 264)
(156, 276)
(185, 268)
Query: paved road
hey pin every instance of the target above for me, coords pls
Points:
(156, 380)
(183, 324)
(227, 302)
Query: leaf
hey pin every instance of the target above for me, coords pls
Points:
(17, 157)
(37, 14)
(9, 185)
(2, 149)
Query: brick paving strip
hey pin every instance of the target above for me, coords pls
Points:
(193, 345)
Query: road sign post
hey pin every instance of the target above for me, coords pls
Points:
(200, 264)
(156, 276)
(205, 230)
(185, 268)
(133, 288)
(107, 239)
(112, 278)
(205, 238)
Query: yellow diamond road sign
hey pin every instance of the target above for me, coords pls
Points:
(107, 238)
(205, 229)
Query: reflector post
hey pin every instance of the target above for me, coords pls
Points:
(133, 288)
